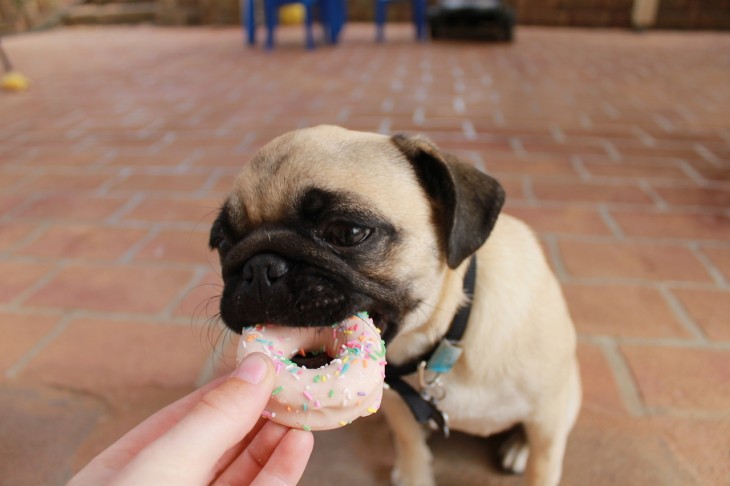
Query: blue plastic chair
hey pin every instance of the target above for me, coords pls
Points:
(418, 12)
(332, 13)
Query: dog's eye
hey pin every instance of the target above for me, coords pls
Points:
(220, 243)
(223, 245)
(345, 234)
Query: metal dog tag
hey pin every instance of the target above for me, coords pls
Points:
(444, 358)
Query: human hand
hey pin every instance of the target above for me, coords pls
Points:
(215, 435)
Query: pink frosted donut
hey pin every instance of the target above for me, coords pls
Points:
(333, 395)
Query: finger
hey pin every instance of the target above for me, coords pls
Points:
(288, 461)
(232, 454)
(222, 417)
(252, 459)
(123, 450)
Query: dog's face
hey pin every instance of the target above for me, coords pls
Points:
(326, 222)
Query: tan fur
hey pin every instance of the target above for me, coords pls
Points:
(519, 363)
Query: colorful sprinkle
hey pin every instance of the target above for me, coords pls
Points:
(306, 427)
(277, 391)
(308, 395)
(332, 392)
(372, 409)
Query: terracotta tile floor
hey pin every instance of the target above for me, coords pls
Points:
(614, 146)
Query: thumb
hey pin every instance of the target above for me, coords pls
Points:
(187, 453)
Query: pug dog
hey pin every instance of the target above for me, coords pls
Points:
(325, 222)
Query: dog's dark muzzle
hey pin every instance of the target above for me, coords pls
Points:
(280, 277)
(263, 274)
(275, 275)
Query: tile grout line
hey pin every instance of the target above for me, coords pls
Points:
(42, 343)
(682, 316)
(193, 283)
(708, 155)
(557, 259)
(613, 153)
(643, 136)
(608, 219)
(645, 186)
(580, 168)
(154, 318)
(128, 256)
(633, 240)
(131, 203)
(692, 173)
(528, 190)
(675, 343)
(517, 146)
(714, 272)
(212, 179)
(624, 379)
(27, 239)
(384, 126)
(212, 362)
(38, 285)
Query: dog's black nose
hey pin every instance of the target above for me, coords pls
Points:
(262, 271)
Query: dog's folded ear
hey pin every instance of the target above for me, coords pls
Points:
(466, 201)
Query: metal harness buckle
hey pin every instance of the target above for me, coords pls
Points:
(432, 390)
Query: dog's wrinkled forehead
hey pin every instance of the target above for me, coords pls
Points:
(365, 166)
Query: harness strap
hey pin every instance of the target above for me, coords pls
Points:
(424, 410)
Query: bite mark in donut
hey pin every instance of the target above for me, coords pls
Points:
(348, 386)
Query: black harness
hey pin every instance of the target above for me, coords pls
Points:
(424, 407)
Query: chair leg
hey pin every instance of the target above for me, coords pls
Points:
(379, 20)
(270, 12)
(327, 19)
(308, 27)
(248, 20)
(419, 19)
(341, 15)
(334, 15)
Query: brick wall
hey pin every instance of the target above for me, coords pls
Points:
(583, 13)
(21, 15)
(694, 14)
(673, 14)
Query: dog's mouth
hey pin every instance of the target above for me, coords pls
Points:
(317, 358)
(312, 359)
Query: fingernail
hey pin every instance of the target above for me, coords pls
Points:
(253, 369)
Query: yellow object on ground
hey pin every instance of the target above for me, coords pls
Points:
(14, 81)
(292, 14)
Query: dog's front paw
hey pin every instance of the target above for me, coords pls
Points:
(514, 452)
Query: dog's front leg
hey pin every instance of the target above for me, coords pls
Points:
(547, 433)
(413, 458)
